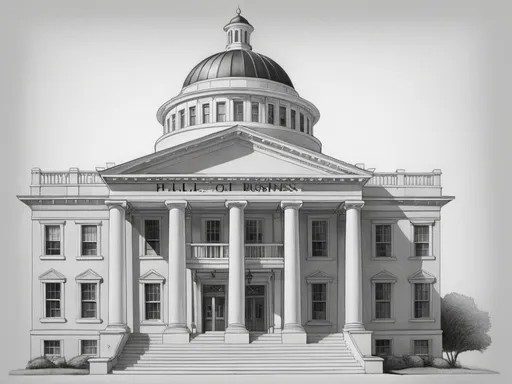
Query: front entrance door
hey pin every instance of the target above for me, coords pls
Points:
(255, 308)
(214, 304)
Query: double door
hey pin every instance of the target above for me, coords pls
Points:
(255, 308)
(214, 308)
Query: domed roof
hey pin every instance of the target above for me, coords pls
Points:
(239, 19)
(238, 63)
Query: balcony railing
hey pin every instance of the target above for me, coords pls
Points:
(210, 251)
(267, 251)
(400, 178)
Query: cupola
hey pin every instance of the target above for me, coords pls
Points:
(238, 32)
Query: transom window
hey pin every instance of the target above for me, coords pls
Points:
(422, 240)
(53, 293)
(152, 301)
(282, 116)
(52, 348)
(383, 240)
(270, 114)
(206, 113)
(255, 112)
(421, 300)
(383, 347)
(301, 118)
(89, 300)
(212, 231)
(52, 239)
(89, 347)
(89, 240)
(239, 110)
(221, 112)
(192, 115)
(319, 238)
(382, 300)
(293, 118)
(421, 347)
(152, 237)
(182, 118)
(319, 301)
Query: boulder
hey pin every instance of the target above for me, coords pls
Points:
(40, 363)
(413, 361)
(79, 362)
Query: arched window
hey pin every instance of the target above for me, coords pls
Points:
(236, 36)
(245, 37)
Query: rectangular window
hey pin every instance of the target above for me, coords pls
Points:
(422, 240)
(212, 231)
(52, 298)
(301, 122)
(282, 116)
(421, 347)
(293, 117)
(152, 237)
(239, 110)
(319, 238)
(182, 118)
(382, 300)
(255, 112)
(192, 115)
(89, 240)
(383, 347)
(221, 112)
(173, 122)
(319, 301)
(270, 114)
(89, 303)
(421, 300)
(51, 348)
(52, 236)
(89, 347)
(206, 113)
(383, 240)
(253, 231)
(152, 301)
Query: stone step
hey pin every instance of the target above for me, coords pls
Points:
(134, 358)
(284, 371)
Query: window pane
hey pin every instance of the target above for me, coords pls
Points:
(213, 231)
(182, 118)
(422, 249)
(255, 112)
(152, 301)
(206, 113)
(52, 237)
(270, 118)
(282, 116)
(383, 310)
(319, 238)
(89, 240)
(173, 122)
(239, 110)
(253, 231)
(192, 115)
(152, 235)
(319, 311)
(293, 118)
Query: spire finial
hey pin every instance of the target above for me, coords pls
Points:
(238, 10)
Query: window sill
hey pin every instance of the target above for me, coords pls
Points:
(319, 322)
(89, 321)
(425, 320)
(52, 257)
(318, 258)
(152, 322)
(383, 320)
(422, 258)
(153, 257)
(52, 320)
(82, 258)
(383, 258)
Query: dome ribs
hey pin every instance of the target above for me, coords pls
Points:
(203, 74)
(237, 64)
(250, 67)
(225, 65)
(212, 72)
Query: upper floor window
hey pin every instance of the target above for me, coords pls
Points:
(255, 111)
(239, 110)
(212, 231)
(383, 240)
(173, 122)
(319, 238)
(293, 119)
(221, 112)
(382, 300)
(206, 113)
(270, 115)
(152, 237)
(282, 116)
(52, 240)
(253, 235)
(301, 122)
(182, 118)
(150, 297)
(421, 300)
(53, 300)
(52, 284)
(89, 300)
(421, 240)
(192, 115)
(89, 240)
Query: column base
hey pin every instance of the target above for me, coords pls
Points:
(176, 334)
(353, 327)
(293, 334)
(236, 334)
(116, 329)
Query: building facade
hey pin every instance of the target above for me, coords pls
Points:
(237, 224)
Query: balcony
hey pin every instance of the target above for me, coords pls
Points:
(263, 251)
(221, 251)
(210, 251)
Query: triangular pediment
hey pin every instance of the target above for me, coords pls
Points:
(237, 151)
(318, 276)
(384, 276)
(89, 275)
(422, 276)
(151, 275)
(52, 274)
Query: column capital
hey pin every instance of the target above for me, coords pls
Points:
(116, 203)
(353, 204)
(294, 204)
(180, 204)
(237, 204)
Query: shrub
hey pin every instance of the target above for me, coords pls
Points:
(79, 362)
(440, 363)
(428, 361)
(60, 362)
(40, 363)
(413, 361)
(392, 363)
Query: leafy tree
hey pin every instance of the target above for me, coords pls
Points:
(464, 326)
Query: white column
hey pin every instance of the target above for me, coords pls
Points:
(353, 267)
(116, 266)
(177, 330)
(292, 330)
(236, 333)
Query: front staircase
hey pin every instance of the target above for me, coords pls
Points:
(206, 354)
